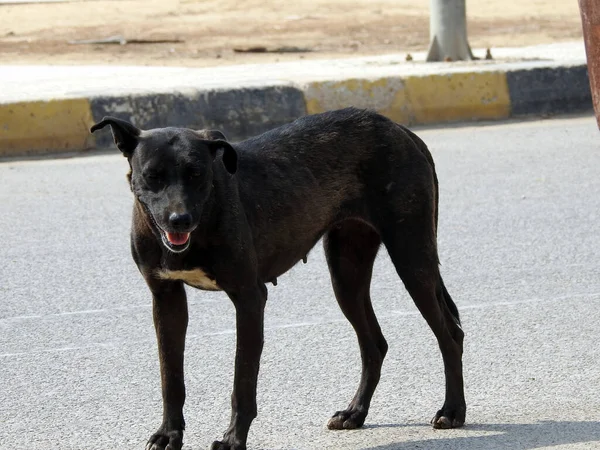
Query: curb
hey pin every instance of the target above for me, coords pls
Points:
(240, 112)
(45, 126)
(484, 93)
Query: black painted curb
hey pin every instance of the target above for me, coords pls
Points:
(239, 113)
(549, 90)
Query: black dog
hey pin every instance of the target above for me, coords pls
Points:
(233, 217)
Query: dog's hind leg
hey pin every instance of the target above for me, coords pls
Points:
(412, 248)
(350, 249)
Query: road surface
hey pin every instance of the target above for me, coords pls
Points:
(519, 239)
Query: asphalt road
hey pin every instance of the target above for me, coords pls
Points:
(519, 238)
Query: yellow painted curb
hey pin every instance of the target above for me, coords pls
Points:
(418, 99)
(45, 126)
(458, 96)
(386, 95)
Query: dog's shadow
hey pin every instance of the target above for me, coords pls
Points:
(541, 434)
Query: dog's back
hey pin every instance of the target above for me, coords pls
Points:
(303, 177)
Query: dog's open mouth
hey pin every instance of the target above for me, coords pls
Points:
(177, 238)
(176, 242)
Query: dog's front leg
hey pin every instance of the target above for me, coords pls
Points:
(249, 306)
(170, 321)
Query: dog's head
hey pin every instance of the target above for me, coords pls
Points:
(172, 174)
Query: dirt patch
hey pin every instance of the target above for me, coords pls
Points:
(211, 30)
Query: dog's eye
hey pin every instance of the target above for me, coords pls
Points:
(153, 177)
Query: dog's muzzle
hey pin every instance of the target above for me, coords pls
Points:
(175, 242)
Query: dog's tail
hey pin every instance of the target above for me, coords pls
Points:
(449, 302)
(425, 150)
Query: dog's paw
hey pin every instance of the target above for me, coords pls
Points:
(172, 440)
(447, 418)
(348, 419)
(224, 445)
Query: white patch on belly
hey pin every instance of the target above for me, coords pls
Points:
(196, 278)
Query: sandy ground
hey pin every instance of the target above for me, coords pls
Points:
(209, 30)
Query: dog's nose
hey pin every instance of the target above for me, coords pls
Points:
(180, 222)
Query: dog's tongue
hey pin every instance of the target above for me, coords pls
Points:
(178, 238)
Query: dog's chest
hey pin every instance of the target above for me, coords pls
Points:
(196, 278)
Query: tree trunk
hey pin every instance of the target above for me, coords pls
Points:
(448, 31)
(590, 18)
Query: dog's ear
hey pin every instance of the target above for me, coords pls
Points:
(229, 154)
(125, 135)
(211, 135)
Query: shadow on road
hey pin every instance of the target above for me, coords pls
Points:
(513, 436)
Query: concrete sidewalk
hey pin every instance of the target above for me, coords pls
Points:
(50, 108)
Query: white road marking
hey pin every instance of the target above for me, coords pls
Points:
(231, 331)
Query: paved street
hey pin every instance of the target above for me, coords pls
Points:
(519, 240)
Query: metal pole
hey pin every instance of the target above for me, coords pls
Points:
(590, 19)
(448, 31)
